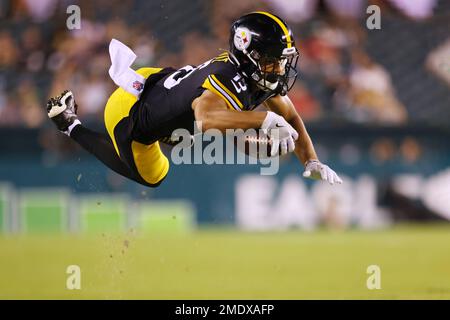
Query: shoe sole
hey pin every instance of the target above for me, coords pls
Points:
(56, 110)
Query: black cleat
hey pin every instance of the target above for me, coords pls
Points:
(63, 111)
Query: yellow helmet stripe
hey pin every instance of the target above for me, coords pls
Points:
(282, 25)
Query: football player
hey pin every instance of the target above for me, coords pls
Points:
(259, 68)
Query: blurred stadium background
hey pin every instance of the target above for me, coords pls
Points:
(376, 103)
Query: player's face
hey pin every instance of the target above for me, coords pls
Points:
(273, 65)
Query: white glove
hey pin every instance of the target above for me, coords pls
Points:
(316, 170)
(280, 132)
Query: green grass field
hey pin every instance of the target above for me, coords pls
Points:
(227, 264)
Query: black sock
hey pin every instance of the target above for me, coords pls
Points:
(101, 146)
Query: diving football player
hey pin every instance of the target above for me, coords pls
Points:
(259, 68)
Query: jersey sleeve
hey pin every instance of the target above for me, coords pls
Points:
(232, 89)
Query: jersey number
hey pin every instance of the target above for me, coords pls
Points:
(182, 74)
(239, 83)
(178, 76)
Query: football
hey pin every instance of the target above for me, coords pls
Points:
(253, 143)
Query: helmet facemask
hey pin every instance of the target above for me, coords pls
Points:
(274, 74)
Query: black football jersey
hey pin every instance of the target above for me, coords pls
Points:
(165, 103)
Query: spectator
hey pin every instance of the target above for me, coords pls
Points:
(9, 53)
(370, 94)
(28, 104)
(410, 150)
(382, 151)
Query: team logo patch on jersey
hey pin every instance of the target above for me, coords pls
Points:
(242, 38)
(138, 85)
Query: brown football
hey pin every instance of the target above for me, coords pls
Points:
(253, 143)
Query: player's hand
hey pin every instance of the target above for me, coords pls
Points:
(314, 169)
(280, 132)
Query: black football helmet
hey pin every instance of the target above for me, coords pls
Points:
(261, 39)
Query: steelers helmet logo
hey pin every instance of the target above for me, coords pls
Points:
(242, 38)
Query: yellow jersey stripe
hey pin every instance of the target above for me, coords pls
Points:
(207, 85)
(236, 100)
(282, 25)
